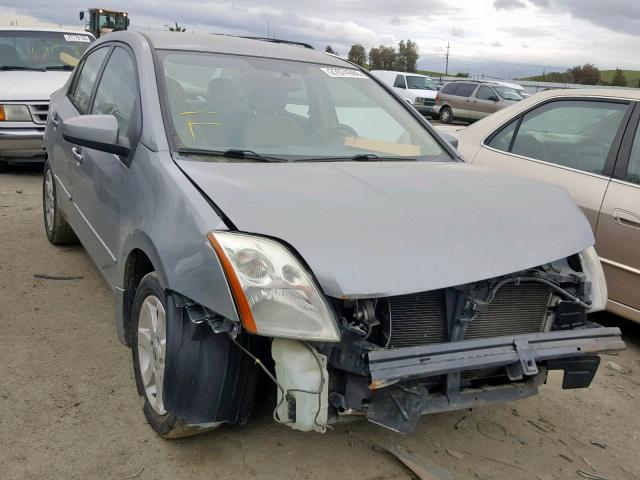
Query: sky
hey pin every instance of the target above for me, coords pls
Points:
(506, 38)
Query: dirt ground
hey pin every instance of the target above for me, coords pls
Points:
(69, 409)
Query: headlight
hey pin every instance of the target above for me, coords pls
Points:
(593, 268)
(274, 294)
(14, 113)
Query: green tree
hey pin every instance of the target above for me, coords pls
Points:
(407, 57)
(383, 58)
(357, 54)
(175, 28)
(587, 74)
(330, 50)
(619, 80)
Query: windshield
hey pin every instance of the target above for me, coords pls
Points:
(112, 20)
(508, 93)
(23, 49)
(420, 83)
(286, 109)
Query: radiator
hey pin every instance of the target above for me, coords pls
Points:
(420, 318)
(515, 309)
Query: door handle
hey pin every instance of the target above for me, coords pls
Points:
(626, 219)
(75, 151)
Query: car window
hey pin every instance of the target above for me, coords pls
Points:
(289, 109)
(117, 91)
(420, 83)
(571, 133)
(86, 78)
(633, 171)
(502, 140)
(449, 88)
(485, 93)
(399, 83)
(508, 93)
(465, 89)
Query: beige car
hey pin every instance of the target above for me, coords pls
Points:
(473, 100)
(588, 142)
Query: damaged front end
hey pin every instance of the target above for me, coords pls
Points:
(484, 342)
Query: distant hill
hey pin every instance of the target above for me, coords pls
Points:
(430, 73)
(632, 76)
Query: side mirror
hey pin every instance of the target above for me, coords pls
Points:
(493, 98)
(453, 141)
(99, 132)
(128, 21)
(81, 15)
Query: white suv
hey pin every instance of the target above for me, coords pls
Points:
(34, 62)
(418, 90)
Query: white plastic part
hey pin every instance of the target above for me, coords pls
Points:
(593, 268)
(297, 369)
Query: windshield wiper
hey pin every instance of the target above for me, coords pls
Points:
(358, 157)
(20, 67)
(232, 153)
(58, 67)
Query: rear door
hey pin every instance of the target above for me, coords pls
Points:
(99, 177)
(572, 143)
(64, 105)
(618, 233)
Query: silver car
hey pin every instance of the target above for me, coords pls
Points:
(261, 208)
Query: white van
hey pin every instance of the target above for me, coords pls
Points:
(34, 62)
(418, 90)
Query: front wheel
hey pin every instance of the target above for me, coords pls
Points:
(446, 115)
(149, 355)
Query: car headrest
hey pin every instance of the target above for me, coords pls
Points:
(222, 90)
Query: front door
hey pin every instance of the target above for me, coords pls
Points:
(100, 177)
(64, 105)
(618, 233)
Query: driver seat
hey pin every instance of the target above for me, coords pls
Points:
(268, 124)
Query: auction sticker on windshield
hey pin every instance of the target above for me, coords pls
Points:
(343, 73)
(77, 38)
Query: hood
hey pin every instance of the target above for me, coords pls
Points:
(30, 85)
(424, 93)
(390, 228)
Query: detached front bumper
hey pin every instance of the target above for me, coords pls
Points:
(520, 352)
(22, 144)
(526, 358)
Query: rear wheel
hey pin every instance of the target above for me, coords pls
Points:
(446, 115)
(58, 230)
(149, 354)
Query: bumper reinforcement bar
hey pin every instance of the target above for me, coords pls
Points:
(519, 352)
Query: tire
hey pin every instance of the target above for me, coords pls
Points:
(58, 231)
(446, 115)
(147, 349)
(4, 166)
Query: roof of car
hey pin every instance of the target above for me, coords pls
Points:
(626, 93)
(45, 29)
(201, 42)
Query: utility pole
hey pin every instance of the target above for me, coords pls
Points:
(268, 28)
(446, 68)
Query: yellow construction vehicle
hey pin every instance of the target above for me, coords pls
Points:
(101, 21)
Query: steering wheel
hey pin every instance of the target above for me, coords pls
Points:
(327, 135)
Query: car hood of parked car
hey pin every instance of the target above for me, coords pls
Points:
(30, 85)
(388, 228)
